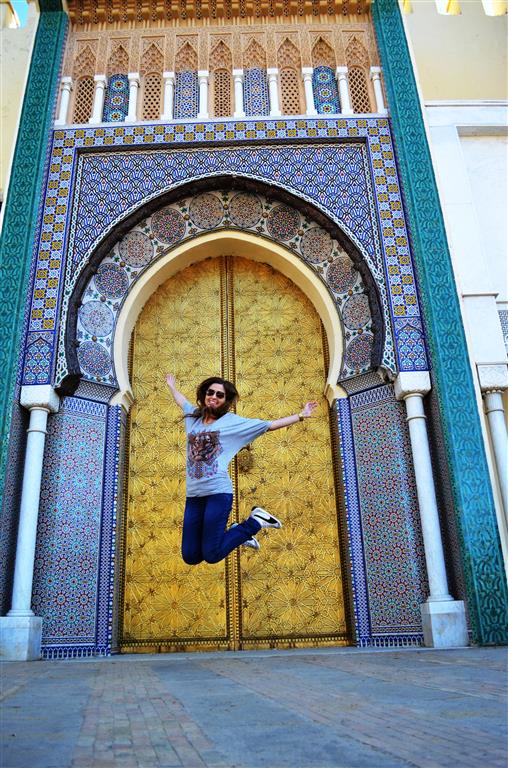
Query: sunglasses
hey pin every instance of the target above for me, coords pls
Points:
(218, 395)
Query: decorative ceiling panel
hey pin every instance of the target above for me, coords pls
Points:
(184, 11)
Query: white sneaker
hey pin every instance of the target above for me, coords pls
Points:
(264, 518)
(253, 543)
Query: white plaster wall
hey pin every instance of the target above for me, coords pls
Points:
(486, 162)
(468, 144)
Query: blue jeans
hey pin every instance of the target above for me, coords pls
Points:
(204, 529)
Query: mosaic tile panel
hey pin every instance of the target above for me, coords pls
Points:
(116, 101)
(256, 100)
(106, 291)
(353, 183)
(391, 534)
(68, 532)
(186, 95)
(333, 177)
(112, 509)
(411, 342)
(117, 467)
(326, 92)
(37, 358)
(92, 391)
(354, 524)
(359, 383)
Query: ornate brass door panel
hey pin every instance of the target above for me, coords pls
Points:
(291, 590)
(248, 322)
(167, 604)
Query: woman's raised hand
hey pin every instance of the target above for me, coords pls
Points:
(309, 408)
(177, 396)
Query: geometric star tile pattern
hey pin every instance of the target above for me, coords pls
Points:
(68, 532)
(326, 94)
(116, 102)
(256, 99)
(390, 525)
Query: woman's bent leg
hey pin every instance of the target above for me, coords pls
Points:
(217, 543)
(192, 534)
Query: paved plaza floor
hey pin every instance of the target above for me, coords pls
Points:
(326, 708)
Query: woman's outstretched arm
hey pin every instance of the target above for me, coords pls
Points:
(178, 397)
(306, 412)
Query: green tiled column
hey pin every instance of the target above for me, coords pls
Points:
(21, 205)
(476, 517)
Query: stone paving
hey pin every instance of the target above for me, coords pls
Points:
(316, 708)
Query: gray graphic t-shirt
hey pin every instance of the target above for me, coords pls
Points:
(210, 448)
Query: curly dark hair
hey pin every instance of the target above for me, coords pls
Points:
(232, 397)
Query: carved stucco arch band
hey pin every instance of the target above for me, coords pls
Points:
(214, 244)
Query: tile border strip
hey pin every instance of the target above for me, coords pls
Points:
(23, 199)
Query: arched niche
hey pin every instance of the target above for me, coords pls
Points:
(214, 244)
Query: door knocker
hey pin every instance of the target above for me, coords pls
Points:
(245, 459)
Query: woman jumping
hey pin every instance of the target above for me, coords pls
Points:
(214, 437)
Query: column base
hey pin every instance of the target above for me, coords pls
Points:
(20, 638)
(444, 624)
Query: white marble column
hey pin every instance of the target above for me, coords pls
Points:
(131, 116)
(169, 95)
(375, 74)
(495, 414)
(203, 76)
(21, 630)
(98, 101)
(310, 107)
(65, 95)
(345, 100)
(238, 83)
(273, 91)
(493, 381)
(444, 622)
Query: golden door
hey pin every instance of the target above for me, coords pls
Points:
(247, 322)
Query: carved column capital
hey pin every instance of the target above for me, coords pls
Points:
(39, 396)
(492, 377)
(412, 383)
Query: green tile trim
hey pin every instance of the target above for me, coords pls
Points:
(47, 6)
(22, 203)
(474, 504)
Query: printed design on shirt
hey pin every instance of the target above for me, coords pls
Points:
(203, 451)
